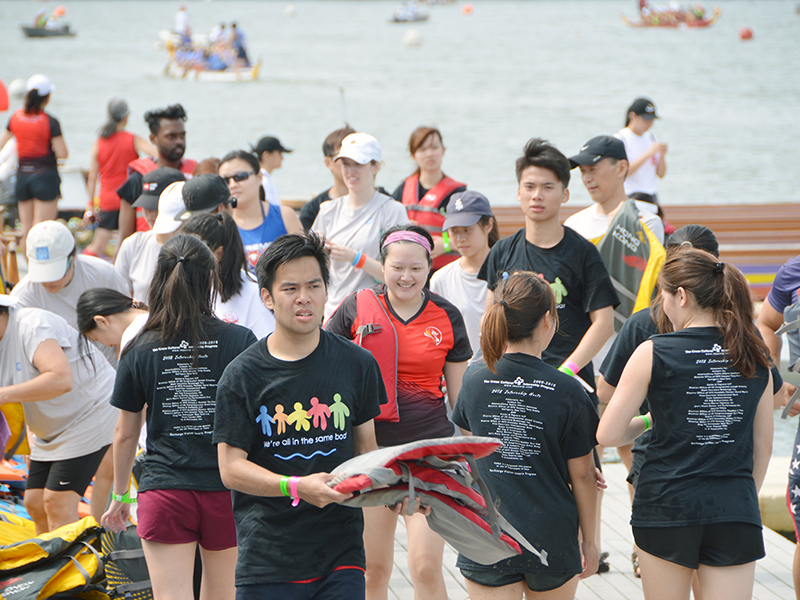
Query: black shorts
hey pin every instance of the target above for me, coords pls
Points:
(536, 582)
(344, 584)
(714, 545)
(108, 220)
(74, 474)
(44, 185)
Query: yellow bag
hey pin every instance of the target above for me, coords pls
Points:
(15, 417)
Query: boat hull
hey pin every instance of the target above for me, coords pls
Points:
(41, 32)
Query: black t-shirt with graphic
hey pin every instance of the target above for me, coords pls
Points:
(180, 399)
(698, 467)
(544, 419)
(297, 418)
(575, 272)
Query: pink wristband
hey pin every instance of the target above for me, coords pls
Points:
(293, 487)
(572, 366)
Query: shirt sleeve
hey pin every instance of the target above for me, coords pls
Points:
(55, 127)
(599, 289)
(628, 339)
(123, 264)
(579, 436)
(132, 188)
(310, 211)
(373, 393)
(342, 320)
(232, 423)
(128, 390)
(35, 329)
(488, 270)
(461, 349)
(780, 296)
(398, 192)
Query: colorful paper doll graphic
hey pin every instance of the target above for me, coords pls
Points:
(299, 417)
(319, 413)
(340, 412)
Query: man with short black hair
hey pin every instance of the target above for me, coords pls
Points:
(289, 410)
(168, 135)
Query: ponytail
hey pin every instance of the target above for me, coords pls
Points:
(521, 302)
(721, 288)
(220, 230)
(34, 102)
(182, 292)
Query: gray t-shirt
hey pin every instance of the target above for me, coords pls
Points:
(76, 423)
(136, 263)
(90, 273)
(468, 293)
(359, 230)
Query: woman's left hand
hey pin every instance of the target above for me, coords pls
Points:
(341, 253)
(401, 508)
(116, 517)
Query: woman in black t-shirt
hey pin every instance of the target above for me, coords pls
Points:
(171, 369)
(544, 473)
(710, 393)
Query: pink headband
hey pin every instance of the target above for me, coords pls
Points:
(408, 236)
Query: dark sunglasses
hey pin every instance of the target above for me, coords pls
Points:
(238, 177)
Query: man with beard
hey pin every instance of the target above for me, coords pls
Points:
(168, 135)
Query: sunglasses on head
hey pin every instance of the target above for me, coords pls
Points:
(238, 177)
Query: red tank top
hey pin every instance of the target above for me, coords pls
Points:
(114, 153)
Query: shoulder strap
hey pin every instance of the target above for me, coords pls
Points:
(410, 190)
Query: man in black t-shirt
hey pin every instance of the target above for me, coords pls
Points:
(298, 403)
(571, 264)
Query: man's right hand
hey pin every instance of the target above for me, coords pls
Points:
(315, 490)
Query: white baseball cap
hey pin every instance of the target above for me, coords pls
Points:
(49, 245)
(360, 147)
(40, 83)
(170, 205)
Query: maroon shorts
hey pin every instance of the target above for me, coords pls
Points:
(185, 516)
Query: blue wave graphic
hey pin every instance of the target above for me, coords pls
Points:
(309, 457)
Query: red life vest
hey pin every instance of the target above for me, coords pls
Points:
(146, 164)
(376, 333)
(425, 211)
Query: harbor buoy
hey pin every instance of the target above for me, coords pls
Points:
(16, 88)
(746, 33)
(3, 96)
(412, 38)
(290, 10)
(467, 9)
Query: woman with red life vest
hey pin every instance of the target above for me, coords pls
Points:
(417, 337)
(427, 191)
(40, 145)
(111, 154)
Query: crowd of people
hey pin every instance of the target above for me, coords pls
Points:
(223, 49)
(239, 347)
(671, 14)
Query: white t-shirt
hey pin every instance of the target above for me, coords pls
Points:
(591, 224)
(90, 273)
(645, 178)
(270, 190)
(359, 230)
(247, 309)
(136, 263)
(468, 294)
(74, 424)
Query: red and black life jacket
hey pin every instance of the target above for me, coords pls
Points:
(425, 211)
(376, 333)
(143, 166)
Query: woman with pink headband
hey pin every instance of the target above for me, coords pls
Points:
(417, 337)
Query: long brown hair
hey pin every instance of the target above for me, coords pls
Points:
(521, 302)
(183, 291)
(721, 288)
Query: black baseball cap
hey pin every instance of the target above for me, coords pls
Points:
(203, 194)
(155, 182)
(598, 148)
(465, 209)
(269, 144)
(645, 108)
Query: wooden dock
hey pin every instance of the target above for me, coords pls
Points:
(773, 573)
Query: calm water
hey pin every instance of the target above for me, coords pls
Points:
(561, 69)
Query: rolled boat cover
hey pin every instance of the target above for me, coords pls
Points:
(463, 515)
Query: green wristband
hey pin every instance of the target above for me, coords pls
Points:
(446, 240)
(125, 498)
(284, 488)
(565, 369)
(647, 423)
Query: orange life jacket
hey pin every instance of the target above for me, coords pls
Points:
(146, 164)
(376, 333)
(425, 211)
